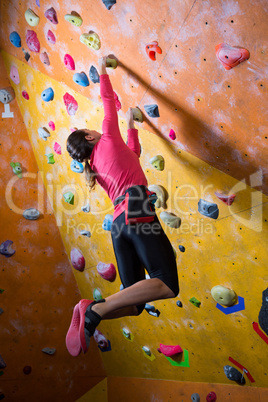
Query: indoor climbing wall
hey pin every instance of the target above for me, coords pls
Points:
(208, 124)
(37, 290)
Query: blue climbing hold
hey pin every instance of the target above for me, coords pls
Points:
(182, 248)
(208, 209)
(94, 75)
(81, 79)
(15, 39)
(152, 110)
(47, 95)
(109, 3)
(179, 303)
(77, 167)
(107, 223)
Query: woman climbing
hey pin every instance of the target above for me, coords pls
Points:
(138, 238)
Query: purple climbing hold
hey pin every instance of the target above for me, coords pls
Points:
(51, 15)
(32, 41)
(44, 58)
(208, 209)
(6, 249)
(109, 3)
(2, 362)
(37, 2)
(94, 75)
(14, 75)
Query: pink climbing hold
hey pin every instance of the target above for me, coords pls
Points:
(70, 103)
(14, 75)
(169, 350)
(72, 129)
(117, 102)
(57, 148)
(51, 125)
(230, 56)
(77, 259)
(211, 397)
(100, 339)
(106, 271)
(51, 15)
(32, 41)
(69, 62)
(44, 58)
(51, 37)
(172, 135)
(227, 199)
(25, 95)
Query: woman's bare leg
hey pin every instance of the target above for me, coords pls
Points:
(141, 292)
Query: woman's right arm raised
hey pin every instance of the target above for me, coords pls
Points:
(110, 122)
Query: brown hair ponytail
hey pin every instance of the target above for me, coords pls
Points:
(90, 176)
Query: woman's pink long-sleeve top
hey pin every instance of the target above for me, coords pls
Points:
(116, 164)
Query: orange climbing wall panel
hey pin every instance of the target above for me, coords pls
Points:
(39, 290)
(219, 119)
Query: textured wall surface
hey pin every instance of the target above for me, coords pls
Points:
(39, 290)
(219, 118)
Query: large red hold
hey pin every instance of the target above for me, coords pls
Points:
(77, 259)
(230, 56)
(51, 15)
(106, 271)
(32, 41)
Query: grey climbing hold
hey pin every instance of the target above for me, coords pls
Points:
(86, 208)
(121, 287)
(1, 311)
(263, 314)
(94, 75)
(182, 248)
(179, 303)
(49, 351)
(208, 209)
(195, 397)
(146, 350)
(109, 3)
(233, 374)
(152, 310)
(31, 214)
(85, 233)
(152, 110)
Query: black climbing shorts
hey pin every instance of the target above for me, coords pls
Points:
(143, 245)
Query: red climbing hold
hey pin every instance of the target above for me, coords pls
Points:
(77, 259)
(211, 397)
(25, 95)
(169, 350)
(172, 135)
(70, 103)
(51, 15)
(152, 48)
(230, 56)
(227, 199)
(106, 271)
(32, 41)
(69, 62)
(52, 125)
(51, 37)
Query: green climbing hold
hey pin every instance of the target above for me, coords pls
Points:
(69, 197)
(50, 158)
(2, 290)
(195, 302)
(97, 294)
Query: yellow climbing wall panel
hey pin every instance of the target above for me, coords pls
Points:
(230, 251)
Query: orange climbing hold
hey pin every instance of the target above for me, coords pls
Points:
(152, 48)
(230, 56)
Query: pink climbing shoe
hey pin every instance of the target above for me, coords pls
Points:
(72, 339)
(89, 320)
(230, 56)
